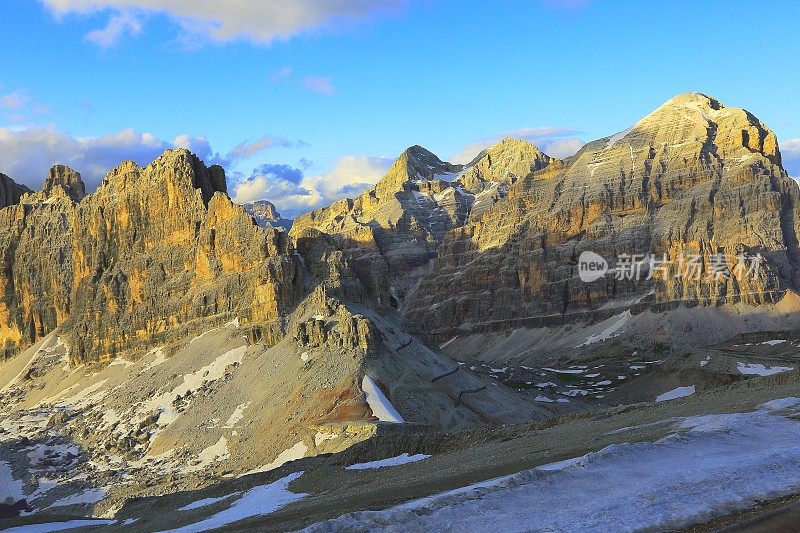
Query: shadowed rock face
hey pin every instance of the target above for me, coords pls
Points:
(153, 253)
(10, 191)
(693, 177)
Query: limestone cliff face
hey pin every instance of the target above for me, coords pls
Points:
(392, 231)
(153, 254)
(10, 191)
(693, 177)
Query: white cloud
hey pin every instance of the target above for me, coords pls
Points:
(293, 194)
(124, 22)
(247, 149)
(554, 141)
(790, 152)
(258, 22)
(14, 100)
(28, 153)
(319, 85)
(562, 148)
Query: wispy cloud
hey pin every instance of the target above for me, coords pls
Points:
(213, 20)
(554, 141)
(319, 85)
(248, 149)
(14, 100)
(19, 108)
(119, 25)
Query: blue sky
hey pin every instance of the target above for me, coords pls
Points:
(306, 100)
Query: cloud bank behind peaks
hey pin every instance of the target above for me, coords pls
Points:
(294, 193)
(790, 152)
(223, 21)
(26, 154)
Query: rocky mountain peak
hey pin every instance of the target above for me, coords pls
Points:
(504, 162)
(177, 169)
(266, 209)
(414, 164)
(266, 214)
(64, 179)
(691, 177)
(726, 132)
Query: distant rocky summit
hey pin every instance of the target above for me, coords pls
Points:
(393, 231)
(266, 215)
(68, 180)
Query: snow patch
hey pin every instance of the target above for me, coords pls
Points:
(216, 452)
(207, 501)
(298, 451)
(755, 369)
(9, 487)
(87, 496)
(401, 459)
(192, 382)
(674, 394)
(381, 407)
(773, 342)
(714, 465)
(57, 526)
(610, 331)
(258, 501)
(236, 416)
(320, 437)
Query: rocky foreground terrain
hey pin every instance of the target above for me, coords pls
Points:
(425, 356)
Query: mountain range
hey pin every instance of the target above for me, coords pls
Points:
(162, 344)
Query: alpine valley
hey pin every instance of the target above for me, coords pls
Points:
(424, 354)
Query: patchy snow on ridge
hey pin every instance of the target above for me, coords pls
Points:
(216, 452)
(87, 496)
(710, 466)
(192, 382)
(58, 526)
(9, 487)
(207, 501)
(258, 501)
(610, 331)
(774, 342)
(756, 369)
(381, 407)
(298, 451)
(236, 416)
(674, 394)
(402, 459)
